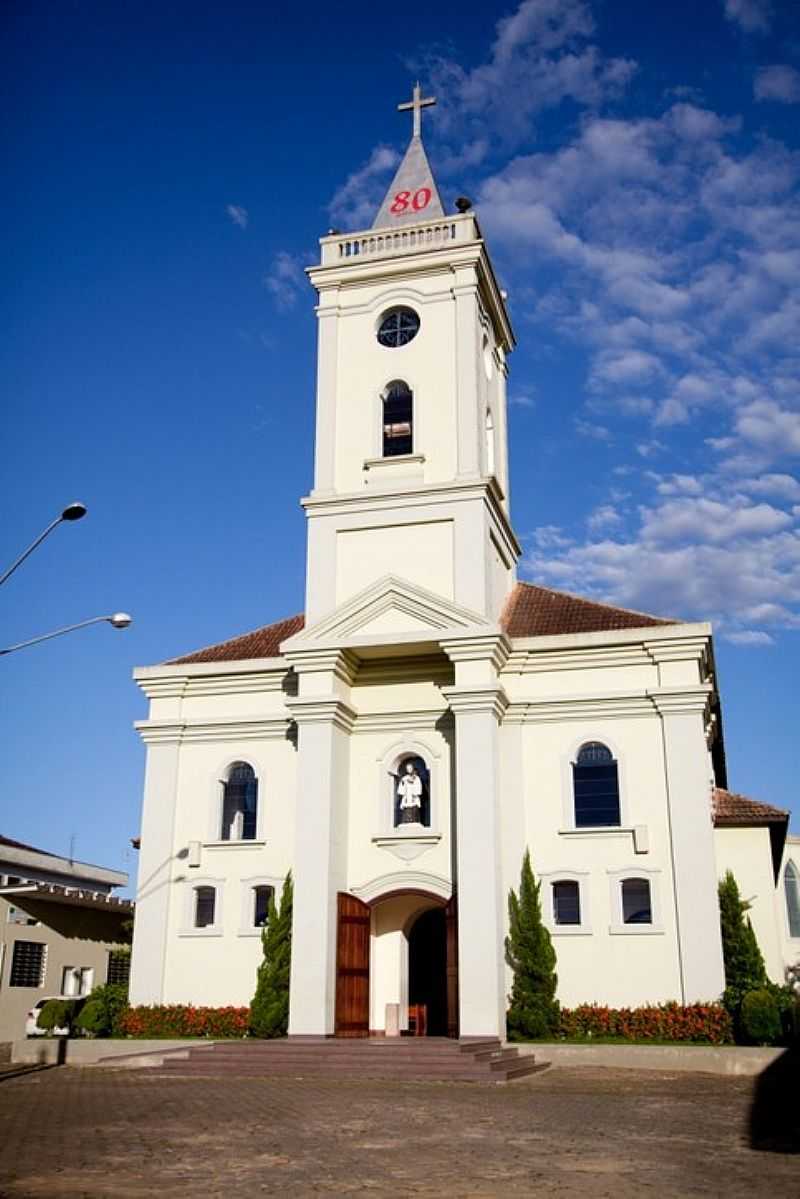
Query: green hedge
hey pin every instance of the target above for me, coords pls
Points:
(702, 1023)
(183, 1020)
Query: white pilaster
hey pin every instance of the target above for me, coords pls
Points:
(327, 357)
(468, 340)
(324, 722)
(156, 860)
(683, 721)
(478, 703)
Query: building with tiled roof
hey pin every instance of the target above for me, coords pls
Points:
(61, 929)
(430, 717)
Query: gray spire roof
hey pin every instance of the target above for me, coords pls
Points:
(413, 195)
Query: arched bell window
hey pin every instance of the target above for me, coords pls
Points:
(490, 458)
(398, 419)
(791, 886)
(596, 787)
(411, 796)
(239, 803)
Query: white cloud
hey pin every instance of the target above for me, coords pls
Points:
(778, 82)
(238, 215)
(769, 427)
(541, 57)
(753, 16)
(586, 428)
(285, 279)
(680, 485)
(355, 204)
(785, 487)
(606, 516)
(522, 399)
(748, 637)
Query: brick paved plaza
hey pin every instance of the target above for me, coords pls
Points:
(96, 1133)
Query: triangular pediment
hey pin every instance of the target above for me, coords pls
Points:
(391, 607)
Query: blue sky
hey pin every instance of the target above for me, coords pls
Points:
(169, 169)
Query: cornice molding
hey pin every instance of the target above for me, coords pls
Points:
(493, 647)
(406, 721)
(465, 700)
(163, 732)
(323, 710)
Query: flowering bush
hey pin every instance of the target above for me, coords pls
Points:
(180, 1020)
(707, 1023)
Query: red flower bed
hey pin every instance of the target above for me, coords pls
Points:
(706, 1023)
(179, 1020)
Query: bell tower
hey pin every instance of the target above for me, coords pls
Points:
(411, 457)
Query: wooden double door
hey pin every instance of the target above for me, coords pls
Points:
(352, 966)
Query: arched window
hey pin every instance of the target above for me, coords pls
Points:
(239, 803)
(637, 907)
(791, 886)
(261, 898)
(205, 903)
(490, 462)
(411, 794)
(596, 787)
(398, 419)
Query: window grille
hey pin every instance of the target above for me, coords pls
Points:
(636, 904)
(119, 967)
(566, 902)
(28, 964)
(596, 787)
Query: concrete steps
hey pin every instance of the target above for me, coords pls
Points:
(423, 1058)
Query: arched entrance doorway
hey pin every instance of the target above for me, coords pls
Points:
(427, 970)
(397, 940)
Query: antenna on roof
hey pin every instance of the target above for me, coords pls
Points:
(71, 848)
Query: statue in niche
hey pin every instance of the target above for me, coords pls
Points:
(411, 792)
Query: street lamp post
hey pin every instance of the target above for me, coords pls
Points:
(74, 511)
(120, 620)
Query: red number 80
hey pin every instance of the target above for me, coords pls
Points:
(420, 199)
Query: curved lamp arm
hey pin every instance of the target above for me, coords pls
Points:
(120, 620)
(71, 512)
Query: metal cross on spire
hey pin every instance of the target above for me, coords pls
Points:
(417, 103)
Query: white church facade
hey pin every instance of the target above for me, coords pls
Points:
(429, 717)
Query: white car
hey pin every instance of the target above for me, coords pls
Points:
(32, 1028)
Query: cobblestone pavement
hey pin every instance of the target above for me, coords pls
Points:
(566, 1132)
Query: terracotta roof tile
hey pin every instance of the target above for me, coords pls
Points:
(530, 611)
(533, 611)
(736, 810)
(261, 643)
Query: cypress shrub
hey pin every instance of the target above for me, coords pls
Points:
(744, 964)
(269, 1011)
(534, 1010)
(101, 1013)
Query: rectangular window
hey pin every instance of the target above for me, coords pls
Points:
(76, 980)
(636, 905)
(566, 903)
(119, 967)
(261, 898)
(205, 904)
(596, 795)
(28, 964)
